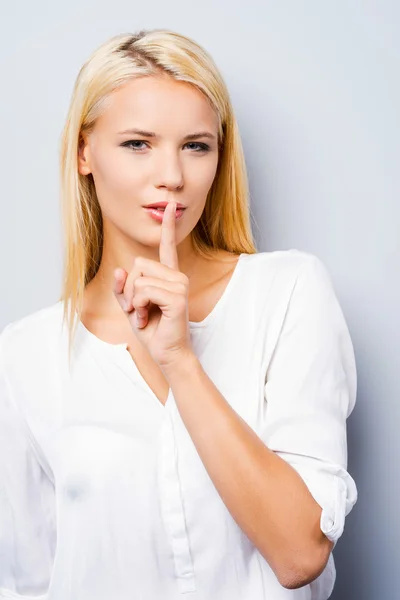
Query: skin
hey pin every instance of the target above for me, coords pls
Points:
(146, 271)
(150, 169)
(154, 296)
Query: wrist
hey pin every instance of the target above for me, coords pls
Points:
(182, 365)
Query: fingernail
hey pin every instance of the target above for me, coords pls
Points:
(137, 320)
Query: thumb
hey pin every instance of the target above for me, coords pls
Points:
(120, 276)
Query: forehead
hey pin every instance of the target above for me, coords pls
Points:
(162, 105)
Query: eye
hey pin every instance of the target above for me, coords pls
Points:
(133, 145)
(200, 147)
(135, 148)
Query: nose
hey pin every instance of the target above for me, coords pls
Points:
(169, 172)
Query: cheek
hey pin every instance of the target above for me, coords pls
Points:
(116, 179)
(203, 174)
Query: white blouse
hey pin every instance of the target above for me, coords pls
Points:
(103, 495)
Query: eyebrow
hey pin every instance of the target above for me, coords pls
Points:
(191, 136)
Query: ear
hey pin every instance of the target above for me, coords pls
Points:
(83, 155)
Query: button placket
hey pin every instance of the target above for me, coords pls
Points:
(172, 504)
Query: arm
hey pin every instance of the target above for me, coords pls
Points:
(27, 540)
(266, 495)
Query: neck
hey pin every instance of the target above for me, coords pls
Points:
(99, 297)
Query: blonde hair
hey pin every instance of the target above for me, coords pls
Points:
(226, 220)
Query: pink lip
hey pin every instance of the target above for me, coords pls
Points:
(162, 205)
(158, 215)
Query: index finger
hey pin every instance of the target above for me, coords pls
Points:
(168, 251)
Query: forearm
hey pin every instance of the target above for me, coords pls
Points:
(264, 494)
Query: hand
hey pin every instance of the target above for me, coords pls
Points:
(154, 296)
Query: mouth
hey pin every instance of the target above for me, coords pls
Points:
(157, 213)
(163, 205)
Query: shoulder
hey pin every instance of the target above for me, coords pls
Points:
(283, 268)
(32, 335)
(300, 295)
(292, 257)
(286, 282)
(283, 265)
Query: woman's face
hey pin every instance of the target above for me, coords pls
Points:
(131, 170)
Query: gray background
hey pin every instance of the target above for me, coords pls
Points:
(315, 86)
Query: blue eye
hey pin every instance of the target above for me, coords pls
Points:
(128, 144)
(200, 147)
(132, 145)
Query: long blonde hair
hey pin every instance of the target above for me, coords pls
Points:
(226, 220)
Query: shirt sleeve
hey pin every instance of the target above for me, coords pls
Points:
(27, 514)
(310, 390)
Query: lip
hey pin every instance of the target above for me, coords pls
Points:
(163, 205)
(158, 215)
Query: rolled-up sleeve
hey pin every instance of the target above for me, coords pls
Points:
(27, 513)
(310, 390)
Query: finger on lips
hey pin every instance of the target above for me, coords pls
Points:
(168, 251)
(129, 287)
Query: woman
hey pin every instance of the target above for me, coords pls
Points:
(176, 423)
